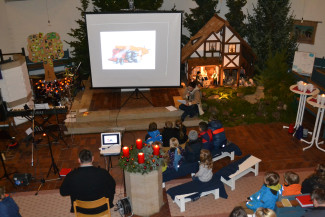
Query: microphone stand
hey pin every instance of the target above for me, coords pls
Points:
(53, 166)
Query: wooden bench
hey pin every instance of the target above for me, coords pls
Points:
(224, 154)
(249, 165)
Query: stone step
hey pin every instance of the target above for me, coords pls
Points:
(127, 114)
(126, 124)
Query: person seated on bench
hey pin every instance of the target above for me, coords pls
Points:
(316, 180)
(238, 211)
(267, 196)
(264, 212)
(153, 134)
(206, 136)
(192, 147)
(318, 198)
(206, 164)
(168, 132)
(176, 164)
(218, 133)
(181, 131)
(291, 184)
(8, 207)
(175, 155)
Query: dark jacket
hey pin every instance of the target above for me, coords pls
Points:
(167, 134)
(185, 137)
(218, 132)
(207, 139)
(8, 208)
(87, 184)
(315, 212)
(192, 151)
(309, 184)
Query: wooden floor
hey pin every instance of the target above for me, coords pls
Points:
(269, 142)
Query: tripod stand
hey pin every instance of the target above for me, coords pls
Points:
(136, 92)
(53, 166)
(5, 175)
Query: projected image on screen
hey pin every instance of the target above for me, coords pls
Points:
(135, 50)
(128, 49)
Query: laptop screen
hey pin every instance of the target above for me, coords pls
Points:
(108, 139)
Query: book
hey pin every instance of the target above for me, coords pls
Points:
(286, 203)
(305, 201)
(65, 171)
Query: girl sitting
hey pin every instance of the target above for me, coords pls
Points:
(205, 172)
(175, 155)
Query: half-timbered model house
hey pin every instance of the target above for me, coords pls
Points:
(218, 52)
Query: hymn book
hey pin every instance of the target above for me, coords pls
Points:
(305, 201)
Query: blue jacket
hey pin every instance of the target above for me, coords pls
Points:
(8, 208)
(153, 136)
(218, 132)
(265, 197)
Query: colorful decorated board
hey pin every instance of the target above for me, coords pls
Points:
(45, 48)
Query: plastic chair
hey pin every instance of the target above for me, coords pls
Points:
(91, 205)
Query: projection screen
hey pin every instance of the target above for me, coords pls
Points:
(135, 49)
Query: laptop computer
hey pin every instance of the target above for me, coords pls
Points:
(110, 143)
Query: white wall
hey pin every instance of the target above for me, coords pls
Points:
(18, 19)
(312, 10)
(31, 16)
(5, 42)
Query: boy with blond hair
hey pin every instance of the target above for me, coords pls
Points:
(291, 184)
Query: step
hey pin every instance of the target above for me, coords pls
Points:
(128, 125)
(127, 114)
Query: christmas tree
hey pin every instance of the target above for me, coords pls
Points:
(199, 17)
(269, 30)
(79, 47)
(236, 16)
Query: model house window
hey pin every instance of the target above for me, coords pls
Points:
(211, 46)
(232, 48)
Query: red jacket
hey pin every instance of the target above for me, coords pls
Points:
(207, 139)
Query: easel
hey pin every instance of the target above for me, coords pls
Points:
(136, 92)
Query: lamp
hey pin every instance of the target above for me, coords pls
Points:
(131, 4)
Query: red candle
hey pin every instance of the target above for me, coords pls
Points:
(140, 158)
(126, 152)
(138, 142)
(156, 150)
